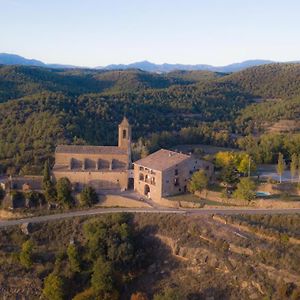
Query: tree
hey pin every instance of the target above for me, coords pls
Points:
(102, 278)
(224, 158)
(245, 189)
(26, 254)
(294, 165)
(246, 165)
(64, 192)
(88, 196)
(48, 186)
(46, 172)
(230, 175)
(74, 258)
(53, 287)
(198, 182)
(280, 166)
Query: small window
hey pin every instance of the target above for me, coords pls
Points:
(176, 182)
(141, 176)
(176, 171)
(124, 133)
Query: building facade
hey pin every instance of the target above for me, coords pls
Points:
(102, 167)
(166, 173)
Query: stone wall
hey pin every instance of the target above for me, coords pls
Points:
(98, 180)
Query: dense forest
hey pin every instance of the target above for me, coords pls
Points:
(40, 108)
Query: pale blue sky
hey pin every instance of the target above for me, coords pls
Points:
(101, 32)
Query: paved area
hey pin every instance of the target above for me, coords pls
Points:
(98, 211)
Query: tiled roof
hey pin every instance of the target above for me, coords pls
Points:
(76, 149)
(162, 160)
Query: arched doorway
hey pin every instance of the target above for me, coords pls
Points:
(147, 190)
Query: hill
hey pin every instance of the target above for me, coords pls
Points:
(13, 59)
(43, 107)
(268, 81)
(155, 256)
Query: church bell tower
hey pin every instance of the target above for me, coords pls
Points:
(125, 137)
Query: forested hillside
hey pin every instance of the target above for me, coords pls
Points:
(269, 81)
(43, 107)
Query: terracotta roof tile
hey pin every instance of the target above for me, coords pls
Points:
(78, 149)
(162, 160)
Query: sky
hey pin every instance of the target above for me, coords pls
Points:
(101, 32)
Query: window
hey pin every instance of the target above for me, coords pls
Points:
(124, 133)
(176, 182)
(176, 172)
(141, 168)
(141, 176)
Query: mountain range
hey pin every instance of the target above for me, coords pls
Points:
(13, 59)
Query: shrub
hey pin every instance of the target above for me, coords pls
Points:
(53, 287)
(198, 182)
(88, 196)
(74, 258)
(26, 254)
(245, 189)
(64, 192)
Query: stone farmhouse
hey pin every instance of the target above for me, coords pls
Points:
(161, 174)
(166, 173)
(102, 167)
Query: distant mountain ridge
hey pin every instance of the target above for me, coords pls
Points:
(13, 59)
(163, 68)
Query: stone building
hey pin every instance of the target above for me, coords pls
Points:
(166, 173)
(102, 167)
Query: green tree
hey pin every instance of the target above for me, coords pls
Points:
(246, 165)
(26, 254)
(198, 182)
(280, 166)
(102, 278)
(74, 258)
(229, 175)
(46, 172)
(53, 287)
(245, 189)
(294, 165)
(88, 196)
(64, 192)
(48, 186)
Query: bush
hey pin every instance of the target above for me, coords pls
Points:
(245, 190)
(53, 287)
(64, 192)
(198, 182)
(88, 196)
(74, 258)
(26, 254)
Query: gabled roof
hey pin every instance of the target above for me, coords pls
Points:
(78, 149)
(124, 122)
(162, 160)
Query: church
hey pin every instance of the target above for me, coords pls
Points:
(102, 167)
